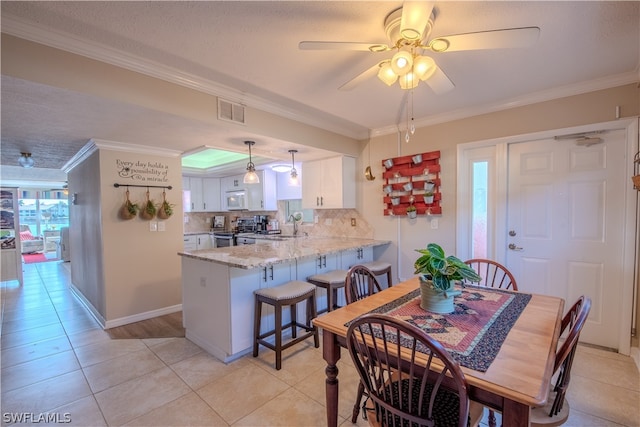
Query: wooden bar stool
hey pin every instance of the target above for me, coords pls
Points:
(378, 268)
(288, 294)
(331, 282)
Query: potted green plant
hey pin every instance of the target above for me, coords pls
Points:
(438, 273)
(411, 211)
(129, 209)
(428, 197)
(148, 210)
(165, 209)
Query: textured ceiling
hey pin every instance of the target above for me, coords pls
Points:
(251, 48)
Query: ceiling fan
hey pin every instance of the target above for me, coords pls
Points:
(408, 29)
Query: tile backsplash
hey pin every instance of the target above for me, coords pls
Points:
(330, 222)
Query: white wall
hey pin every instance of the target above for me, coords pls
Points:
(125, 271)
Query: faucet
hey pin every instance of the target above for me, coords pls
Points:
(295, 224)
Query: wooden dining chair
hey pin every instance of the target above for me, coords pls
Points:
(360, 283)
(494, 274)
(409, 377)
(556, 412)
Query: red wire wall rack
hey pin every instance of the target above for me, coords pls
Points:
(407, 178)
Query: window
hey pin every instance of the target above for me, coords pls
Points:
(43, 210)
(295, 205)
(479, 214)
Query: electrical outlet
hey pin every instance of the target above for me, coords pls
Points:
(353, 222)
(203, 282)
(434, 223)
(328, 221)
(161, 226)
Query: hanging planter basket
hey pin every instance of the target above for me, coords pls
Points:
(128, 210)
(165, 210)
(148, 210)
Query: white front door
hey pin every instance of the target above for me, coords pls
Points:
(565, 225)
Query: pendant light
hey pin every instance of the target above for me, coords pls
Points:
(251, 177)
(25, 160)
(293, 178)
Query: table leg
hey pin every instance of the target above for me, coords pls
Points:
(331, 354)
(515, 414)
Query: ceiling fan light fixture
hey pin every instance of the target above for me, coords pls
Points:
(409, 81)
(25, 160)
(401, 63)
(415, 16)
(251, 177)
(424, 67)
(386, 74)
(439, 45)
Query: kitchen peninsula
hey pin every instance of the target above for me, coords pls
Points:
(218, 284)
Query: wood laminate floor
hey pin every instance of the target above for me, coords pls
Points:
(167, 326)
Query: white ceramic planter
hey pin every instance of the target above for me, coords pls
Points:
(436, 301)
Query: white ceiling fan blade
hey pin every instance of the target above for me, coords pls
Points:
(366, 74)
(496, 39)
(439, 82)
(357, 46)
(415, 16)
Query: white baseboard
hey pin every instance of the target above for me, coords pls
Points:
(92, 310)
(142, 316)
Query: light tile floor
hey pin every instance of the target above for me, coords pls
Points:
(56, 360)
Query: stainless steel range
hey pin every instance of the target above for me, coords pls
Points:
(239, 236)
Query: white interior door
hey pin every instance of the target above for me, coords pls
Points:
(565, 225)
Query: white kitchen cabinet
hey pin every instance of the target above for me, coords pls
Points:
(320, 264)
(286, 191)
(352, 257)
(262, 196)
(211, 196)
(194, 242)
(243, 311)
(231, 183)
(204, 194)
(329, 183)
(192, 186)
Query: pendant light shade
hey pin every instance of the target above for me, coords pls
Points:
(402, 63)
(25, 160)
(386, 74)
(293, 178)
(251, 177)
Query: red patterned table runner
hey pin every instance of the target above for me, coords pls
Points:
(475, 331)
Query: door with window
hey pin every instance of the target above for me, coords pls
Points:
(558, 214)
(565, 225)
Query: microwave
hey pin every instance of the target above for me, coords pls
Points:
(236, 200)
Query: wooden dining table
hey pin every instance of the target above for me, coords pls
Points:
(516, 380)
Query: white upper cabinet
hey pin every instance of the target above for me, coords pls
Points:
(211, 194)
(286, 191)
(262, 196)
(204, 194)
(329, 183)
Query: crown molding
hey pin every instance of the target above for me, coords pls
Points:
(21, 28)
(99, 144)
(533, 98)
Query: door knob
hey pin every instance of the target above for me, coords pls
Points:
(512, 233)
(513, 247)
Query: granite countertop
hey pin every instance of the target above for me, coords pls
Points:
(279, 251)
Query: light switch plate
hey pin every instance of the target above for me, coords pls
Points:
(153, 226)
